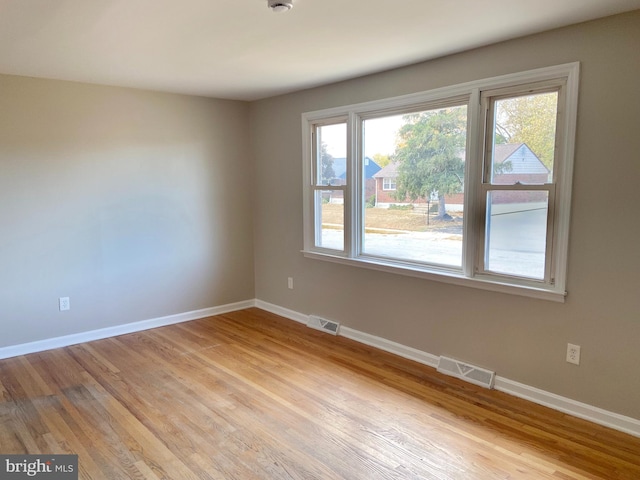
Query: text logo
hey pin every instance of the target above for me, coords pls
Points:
(49, 467)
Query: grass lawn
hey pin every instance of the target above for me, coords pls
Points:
(393, 219)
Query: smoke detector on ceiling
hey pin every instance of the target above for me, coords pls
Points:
(280, 5)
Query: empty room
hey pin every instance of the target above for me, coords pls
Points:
(311, 239)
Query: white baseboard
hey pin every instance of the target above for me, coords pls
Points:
(572, 407)
(389, 346)
(283, 312)
(566, 405)
(66, 340)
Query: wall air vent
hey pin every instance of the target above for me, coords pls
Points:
(323, 325)
(464, 371)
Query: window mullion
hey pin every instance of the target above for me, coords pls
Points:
(353, 215)
(473, 175)
(482, 164)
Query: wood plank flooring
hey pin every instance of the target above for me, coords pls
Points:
(249, 395)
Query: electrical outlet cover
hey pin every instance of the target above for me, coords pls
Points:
(64, 304)
(573, 354)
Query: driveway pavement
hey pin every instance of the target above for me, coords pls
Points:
(516, 242)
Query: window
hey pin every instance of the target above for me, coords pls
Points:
(429, 147)
(329, 214)
(389, 183)
(518, 186)
(472, 183)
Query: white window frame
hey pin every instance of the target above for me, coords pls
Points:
(488, 99)
(387, 182)
(472, 273)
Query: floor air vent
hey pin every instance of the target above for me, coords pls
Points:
(469, 373)
(323, 325)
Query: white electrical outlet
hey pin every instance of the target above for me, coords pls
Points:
(573, 354)
(64, 304)
(290, 283)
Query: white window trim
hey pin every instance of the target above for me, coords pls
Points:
(465, 276)
(386, 184)
(488, 104)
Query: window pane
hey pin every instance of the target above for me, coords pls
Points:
(329, 220)
(516, 232)
(416, 209)
(524, 139)
(331, 164)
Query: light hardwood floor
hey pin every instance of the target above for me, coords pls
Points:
(249, 395)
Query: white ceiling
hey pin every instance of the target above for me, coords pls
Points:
(239, 49)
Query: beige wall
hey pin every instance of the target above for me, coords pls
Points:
(134, 204)
(139, 205)
(522, 339)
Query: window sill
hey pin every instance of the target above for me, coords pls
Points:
(445, 276)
